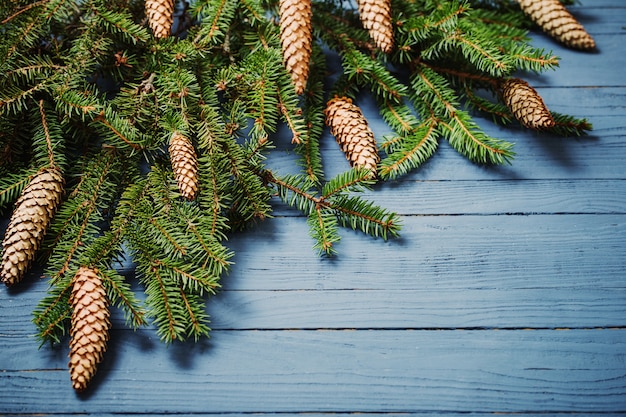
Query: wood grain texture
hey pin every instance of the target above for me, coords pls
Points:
(506, 292)
(339, 371)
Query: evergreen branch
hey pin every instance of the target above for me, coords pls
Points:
(406, 153)
(12, 185)
(398, 116)
(353, 180)
(566, 125)
(73, 103)
(76, 224)
(528, 58)
(119, 22)
(53, 312)
(499, 112)
(119, 129)
(46, 132)
(296, 191)
(323, 229)
(14, 99)
(294, 122)
(120, 295)
(162, 306)
(365, 70)
(468, 139)
(313, 115)
(484, 56)
(48, 140)
(435, 98)
(216, 16)
(365, 216)
(22, 10)
(195, 317)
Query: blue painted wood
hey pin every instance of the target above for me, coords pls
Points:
(336, 371)
(506, 292)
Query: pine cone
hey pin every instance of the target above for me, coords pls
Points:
(30, 219)
(558, 22)
(375, 16)
(526, 104)
(90, 326)
(296, 39)
(160, 17)
(352, 133)
(184, 165)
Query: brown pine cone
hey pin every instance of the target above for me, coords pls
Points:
(296, 38)
(160, 17)
(558, 22)
(90, 326)
(28, 224)
(352, 132)
(526, 104)
(375, 16)
(184, 165)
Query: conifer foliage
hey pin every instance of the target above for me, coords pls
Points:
(139, 131)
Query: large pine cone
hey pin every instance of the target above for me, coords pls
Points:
(526, 104)
(160, 17)
(296, 38)
(352, 132)
(184, 165)
(90, 326)
(28, 224)
(375, 16)
(558, 22)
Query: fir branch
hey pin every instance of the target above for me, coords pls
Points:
(567, 125)
(353, 180)
(12, 185)
(405, 153)
(52, 314)
(365, 216)
(297, 191)
(216, 17)
(366, 71)
(118, 22)
(313, 115)
(435, 98)
(47, 135)
(121, 295)
(323, 228)
(77, 222)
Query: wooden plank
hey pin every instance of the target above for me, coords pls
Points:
(416, 309)
(440, 252)
(335, 371)
(584, 307)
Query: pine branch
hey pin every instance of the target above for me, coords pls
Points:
(406, 153)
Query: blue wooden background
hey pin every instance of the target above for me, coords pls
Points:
(505, 294)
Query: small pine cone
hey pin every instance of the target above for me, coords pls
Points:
(30, 220)
(558, 22)
(184, 165)
(296, 38)
(90, 326)
(526, 104)
(375, 16)
(160, 17)
(352, 133)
